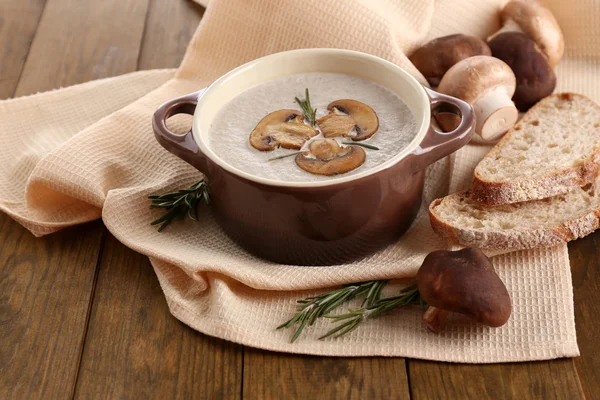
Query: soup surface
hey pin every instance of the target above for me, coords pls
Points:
(230, 130)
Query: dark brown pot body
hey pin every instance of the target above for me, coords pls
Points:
(317, 224)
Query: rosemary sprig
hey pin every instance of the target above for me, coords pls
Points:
(366, 146)
(178, 204)
(353, 318)
(312, 308)
(285, 156)
(310, 114)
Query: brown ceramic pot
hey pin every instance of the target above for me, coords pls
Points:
(323, 222)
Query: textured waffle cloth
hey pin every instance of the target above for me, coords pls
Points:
(88, 151)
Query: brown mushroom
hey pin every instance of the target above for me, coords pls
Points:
(326, 157)
(535, 77)
(349, 118)
(532, 18)
(283, 128)
(437, 56)
(465, 282)
(488, 84)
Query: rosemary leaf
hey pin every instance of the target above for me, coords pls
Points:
(342, 327)
(285, 156)
(366, 146)
(310, 114)
(180, 203)
(312, 308)
(353, 318)
(303, 322)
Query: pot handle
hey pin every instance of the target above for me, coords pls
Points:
(438, 144)
(183, 146)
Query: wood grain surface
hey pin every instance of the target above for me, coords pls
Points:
(80, 40)
(170, 24)
(45, 293)
(18, 24)
(535, 380)
(585, 265)
(135, 349)
(270, 375)
(83, 316)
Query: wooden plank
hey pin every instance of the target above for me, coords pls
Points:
(45, 288)
(18, 22)
(270, 375)
(585, 265)
(169, 27)
(46, 284)
(136, 349)
(545, 380)
(78, 41)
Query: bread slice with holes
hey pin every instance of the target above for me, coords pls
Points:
(526, 225)
(554, 148)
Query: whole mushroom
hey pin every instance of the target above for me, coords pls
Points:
(327, 157)
(465, 282)
(532, 18)
(488, 84)
(283, 128)
(437, 56)
(531, 43)
(535, 77)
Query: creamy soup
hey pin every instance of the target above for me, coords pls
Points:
(231, 128)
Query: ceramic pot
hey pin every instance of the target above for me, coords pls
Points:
(324, 222)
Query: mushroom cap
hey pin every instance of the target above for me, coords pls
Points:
(356, 115)
(464, 281)
(535, 77)
(437, 56)
(539, 23)
(326, 157)
(282, 128)
(473, 77)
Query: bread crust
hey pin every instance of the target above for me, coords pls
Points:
(514, 239)
(497, 193)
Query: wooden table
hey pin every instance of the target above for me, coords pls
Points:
(83, 316)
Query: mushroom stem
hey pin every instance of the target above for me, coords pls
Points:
(435, 318)
(495, 114)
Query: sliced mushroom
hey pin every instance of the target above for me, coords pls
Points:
(283, 128)
(326, 157)
(462, 281)
(347, 115)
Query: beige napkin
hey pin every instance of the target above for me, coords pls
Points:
(76, 154)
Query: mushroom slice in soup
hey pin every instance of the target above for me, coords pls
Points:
(326, 157)
(283, 128)
(347, 115)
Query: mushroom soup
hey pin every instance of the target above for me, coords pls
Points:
(272, 130)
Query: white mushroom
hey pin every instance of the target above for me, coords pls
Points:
(530, 17)
(283, 128)
(488, 84)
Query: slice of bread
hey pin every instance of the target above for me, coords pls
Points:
(554, 148)
(524, 225)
